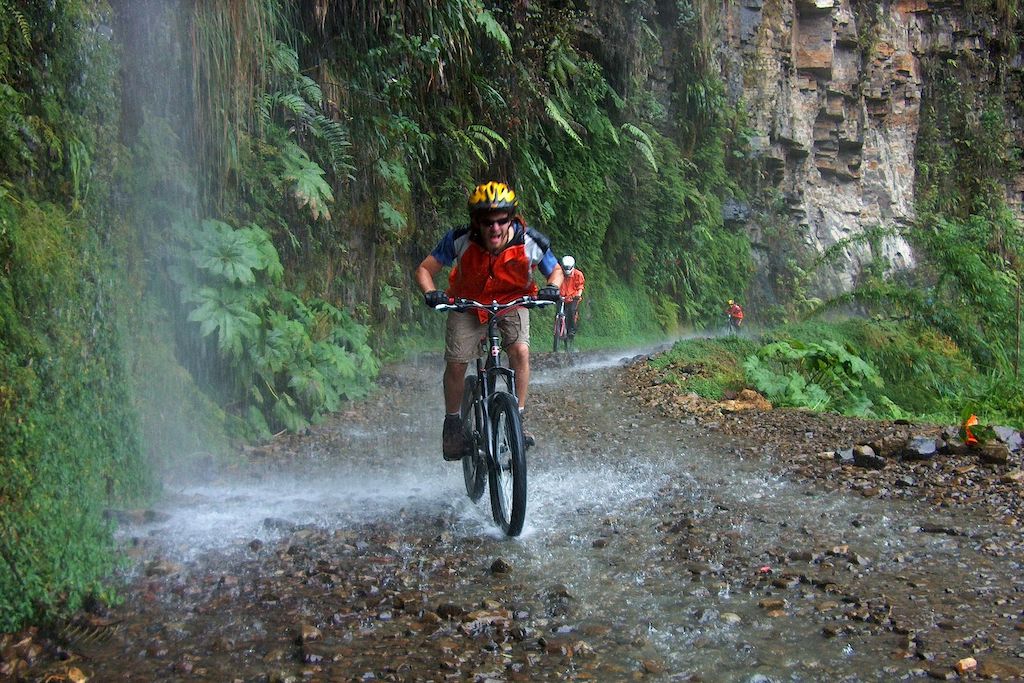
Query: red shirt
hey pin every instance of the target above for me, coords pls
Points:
(482, 276)
(572, 285)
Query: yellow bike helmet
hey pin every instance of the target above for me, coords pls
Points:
(731, 302)
(493, 196)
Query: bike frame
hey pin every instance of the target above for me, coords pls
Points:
(489, 371)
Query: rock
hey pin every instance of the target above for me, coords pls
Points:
(966, 664)
(955, 446)
(1000, 669)
(864, 456)
(314, 653)
(308, 632)
(161, 567)
(995, 453)
(1012, 477)
(500, 566)
(653, 666)
(450, 610)
(786, 581)
(941, 674)
(1009, 436)
(844, 456)
(919, 448)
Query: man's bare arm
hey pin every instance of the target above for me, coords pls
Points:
(425, 273)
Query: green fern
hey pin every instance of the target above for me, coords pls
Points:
(819, 376)
(24, 30)
(308, 185)
(643, 143)
(394, 220)
(393, 173)
(491, 27)
(559, 117)
(80, 166)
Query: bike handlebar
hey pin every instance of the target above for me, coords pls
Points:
(494, 307)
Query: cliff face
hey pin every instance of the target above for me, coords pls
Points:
(833, 92)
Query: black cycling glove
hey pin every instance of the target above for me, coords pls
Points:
(435, 298)
(548, 293)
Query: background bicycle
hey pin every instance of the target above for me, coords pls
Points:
(561, 331)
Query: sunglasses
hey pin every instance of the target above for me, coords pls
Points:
(501, 223)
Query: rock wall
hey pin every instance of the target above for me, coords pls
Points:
(833, 92)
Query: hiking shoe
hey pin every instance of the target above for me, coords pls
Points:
(453, 438)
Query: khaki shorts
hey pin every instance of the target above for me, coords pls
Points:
(464, 332)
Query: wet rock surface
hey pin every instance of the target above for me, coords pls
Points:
(662, 543)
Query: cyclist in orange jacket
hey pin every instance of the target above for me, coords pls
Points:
(735, 313)
(492, 258)
(571, 292)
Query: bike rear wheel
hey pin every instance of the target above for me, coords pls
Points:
(474, 468)
(508, 468)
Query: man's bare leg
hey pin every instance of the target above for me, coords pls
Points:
(454, 383)
(519, 359)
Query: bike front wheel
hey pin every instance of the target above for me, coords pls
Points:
(474, 469)
(508, 466)
(558, 333)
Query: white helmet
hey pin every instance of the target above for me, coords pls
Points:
(568, 263)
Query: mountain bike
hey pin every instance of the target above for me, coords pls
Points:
(561, 333)
(494, 428)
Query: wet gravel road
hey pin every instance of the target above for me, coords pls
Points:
(654, 549)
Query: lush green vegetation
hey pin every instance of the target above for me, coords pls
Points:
(209, 210)
(861, 367)
(70, 439)
(205, 208)
(937, 343)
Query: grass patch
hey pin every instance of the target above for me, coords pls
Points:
(706, 367)
(924, 375)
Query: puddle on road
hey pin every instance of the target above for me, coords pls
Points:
(582, 487)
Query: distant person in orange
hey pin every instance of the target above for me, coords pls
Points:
(571, 292)
(735, 313)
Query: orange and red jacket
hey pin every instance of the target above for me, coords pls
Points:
(572, 285)
(735, 311)
(501, 277)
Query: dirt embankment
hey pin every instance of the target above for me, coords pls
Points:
(885, 459)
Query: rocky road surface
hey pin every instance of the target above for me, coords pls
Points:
(666, 541)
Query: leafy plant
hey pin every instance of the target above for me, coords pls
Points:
(820, 376)
(293, 360)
